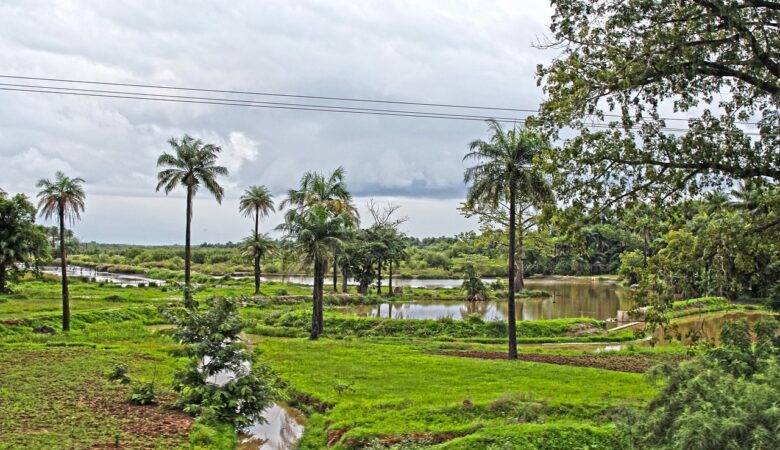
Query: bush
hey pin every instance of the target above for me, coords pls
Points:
(119, 374)
(725, 398)
(142, 394)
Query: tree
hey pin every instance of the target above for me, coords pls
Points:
(193, 164)
(256, 247)
(331, 191)
(391, 244)
(503, 176)
(22, 243)
(316, 232)
(622, 62)
(257, 202)
(63, 197)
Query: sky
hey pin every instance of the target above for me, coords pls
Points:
(458, 52)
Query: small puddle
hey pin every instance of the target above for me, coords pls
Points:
(282, 430)
(283, 425)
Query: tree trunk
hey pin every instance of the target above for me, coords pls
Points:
(320, 319)
(344, 277)
(2, 278)
(335, 272)
(315, 316)
(187, 236)
(257, 256)
(390, 279)
(520, 264)
(379, 278)
(511, 325)
(64, 267)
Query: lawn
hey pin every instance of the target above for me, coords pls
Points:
(400, 394)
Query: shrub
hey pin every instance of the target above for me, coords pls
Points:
(142, 394)
(730, 392)
(119, 374)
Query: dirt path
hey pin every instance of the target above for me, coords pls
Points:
(621, 363)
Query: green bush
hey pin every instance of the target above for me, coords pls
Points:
(142, 394)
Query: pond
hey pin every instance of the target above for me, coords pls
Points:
(568, 298)
(705, 328)
(122, 279)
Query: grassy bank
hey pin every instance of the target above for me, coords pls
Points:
(395, 393)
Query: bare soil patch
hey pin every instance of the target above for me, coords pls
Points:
(620, 363)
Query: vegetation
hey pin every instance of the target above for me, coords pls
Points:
(63, 198)
(23, 243)
(193, 164)
(257, 202)
(731, 391)
(503, 178)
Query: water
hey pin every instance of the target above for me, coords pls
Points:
(282, 428)
(569, 298)
(705, 328)
(122, 279)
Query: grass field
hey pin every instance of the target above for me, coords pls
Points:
(386, 383)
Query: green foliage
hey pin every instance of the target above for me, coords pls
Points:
(22, 243)
(215, 352)
(143, 394)
(729, 391)
(472, 284)
(119, 374)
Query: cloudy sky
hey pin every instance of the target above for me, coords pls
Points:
(471, 52)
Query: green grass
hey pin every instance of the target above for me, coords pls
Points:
(398, 391)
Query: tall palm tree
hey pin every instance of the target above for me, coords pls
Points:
(192, 164)
(331, 191)
(63, 197)
(316, 232)
(503, 175)
(257, 202)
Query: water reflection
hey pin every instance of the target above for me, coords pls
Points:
(282, 430)
(122, 279)
(567, 299)
(701, 328)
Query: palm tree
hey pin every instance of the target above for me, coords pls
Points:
(63, 197)
(503, 175)
(193, 164)
(257, 247)
(257, 202)
(331, 191)
(316, 232)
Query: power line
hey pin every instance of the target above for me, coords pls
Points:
(171, 98)
(311, 97)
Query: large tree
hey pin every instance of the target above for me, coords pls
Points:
(64, 198)
(316, 232)
(624, 65)
(256, 202)
(191, 165)
(330, 191)
(504, 175)
(22, 242)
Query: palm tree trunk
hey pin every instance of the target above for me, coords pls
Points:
(511, 325)
(321, 289)
(335, 272)
(519, 264)
(64, 267)
(390, 279)
(315, 316)
(379, 278)
(344, 277)
(257, 256)
(2, 279)
(187, 236)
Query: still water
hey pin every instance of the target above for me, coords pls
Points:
(569, 298)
